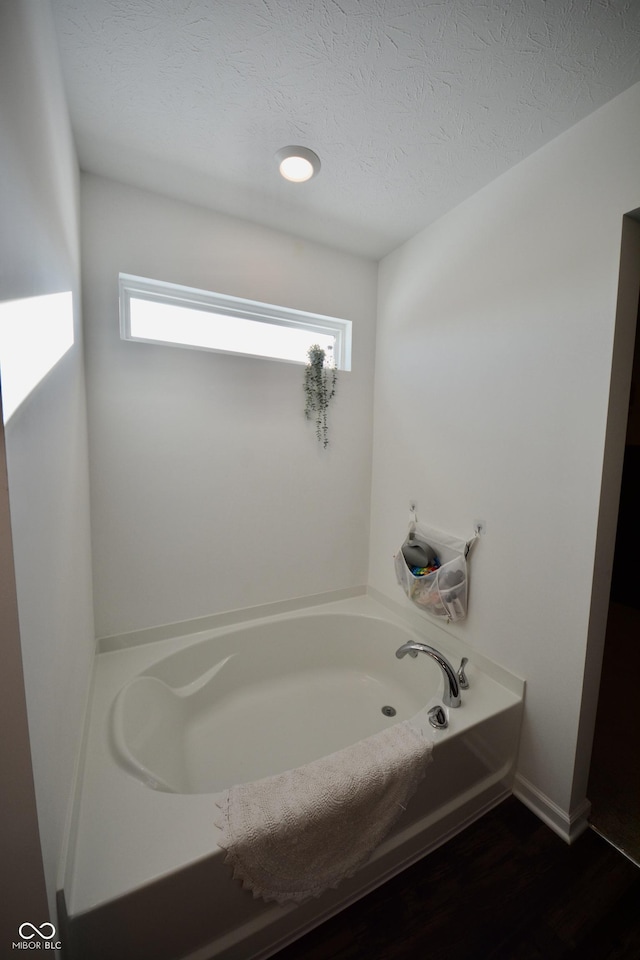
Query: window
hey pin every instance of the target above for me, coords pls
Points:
(157, 312)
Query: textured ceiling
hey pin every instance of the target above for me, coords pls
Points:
(412, 105)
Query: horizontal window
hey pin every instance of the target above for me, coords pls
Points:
(157, 312)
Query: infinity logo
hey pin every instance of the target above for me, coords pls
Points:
(37, 930)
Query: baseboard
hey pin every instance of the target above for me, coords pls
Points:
(569, 826)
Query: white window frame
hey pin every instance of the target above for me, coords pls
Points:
(160, 291)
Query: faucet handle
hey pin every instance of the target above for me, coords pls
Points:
(462, 677)
(438, 718)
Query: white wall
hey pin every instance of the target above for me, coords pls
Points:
(494, 349)
(24, 892)
(210, 491)
(46, 437)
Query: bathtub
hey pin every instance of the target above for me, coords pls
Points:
(176, 721)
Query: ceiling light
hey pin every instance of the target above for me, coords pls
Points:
(297, 163)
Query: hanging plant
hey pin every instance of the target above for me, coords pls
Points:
(319, 387)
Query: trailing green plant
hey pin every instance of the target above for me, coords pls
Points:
(319, 387)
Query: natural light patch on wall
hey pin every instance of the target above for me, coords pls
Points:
(159, 312)
(35, 333)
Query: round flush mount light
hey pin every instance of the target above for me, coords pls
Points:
(297, 163)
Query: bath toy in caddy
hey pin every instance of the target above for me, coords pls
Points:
(431, 568)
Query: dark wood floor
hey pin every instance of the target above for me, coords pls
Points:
(614, 780)
(507, 888)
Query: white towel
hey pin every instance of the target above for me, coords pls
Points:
(296, 834)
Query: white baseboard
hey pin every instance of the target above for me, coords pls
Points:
(568, 825)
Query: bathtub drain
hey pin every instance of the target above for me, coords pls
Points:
(389, 711)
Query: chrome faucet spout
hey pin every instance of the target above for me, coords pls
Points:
(451, 695)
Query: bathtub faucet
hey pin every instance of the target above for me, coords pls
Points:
(451, 696)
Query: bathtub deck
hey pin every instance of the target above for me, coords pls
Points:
(139, 852)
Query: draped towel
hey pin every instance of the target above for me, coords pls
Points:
(296, 834)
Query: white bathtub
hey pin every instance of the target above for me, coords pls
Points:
(176, 721)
